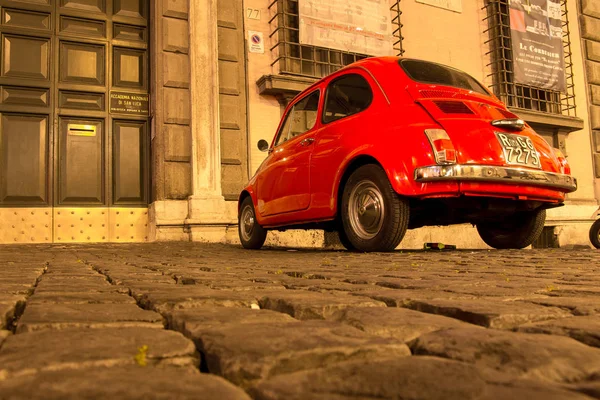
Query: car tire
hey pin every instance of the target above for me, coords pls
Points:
(252, 235)
(373, 216)
(595, 234)
(344, 239)
(515, 232)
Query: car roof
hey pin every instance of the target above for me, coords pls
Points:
(364, 63)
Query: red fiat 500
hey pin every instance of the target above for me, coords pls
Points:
(389, 144)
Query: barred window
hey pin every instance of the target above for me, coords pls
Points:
(502, 73)
(293, 58)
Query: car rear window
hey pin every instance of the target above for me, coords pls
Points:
(428, 72)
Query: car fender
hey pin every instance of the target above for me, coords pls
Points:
(398, 173)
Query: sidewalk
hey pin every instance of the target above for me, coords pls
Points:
(187, 320)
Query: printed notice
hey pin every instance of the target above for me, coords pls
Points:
(129, 103)
(452, 5)
(359, 26)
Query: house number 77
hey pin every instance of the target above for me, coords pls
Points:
(253, 13)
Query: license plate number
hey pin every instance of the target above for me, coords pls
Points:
(519, 150)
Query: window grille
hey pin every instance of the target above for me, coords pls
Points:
(501, 64)
(293, 58)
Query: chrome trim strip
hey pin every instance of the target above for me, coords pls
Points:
(495, 174)
(376, 81)
(510, 123)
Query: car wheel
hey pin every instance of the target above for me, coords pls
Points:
(515, 232)
(374, 217)
(252, 235)
(595, 234)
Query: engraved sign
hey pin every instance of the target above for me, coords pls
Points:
(129, 103)
(452, 5)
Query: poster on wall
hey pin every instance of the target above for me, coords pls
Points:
(537, 47)
(359, 26)
(452, 5)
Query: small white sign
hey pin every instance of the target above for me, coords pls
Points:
(452, 5)
(256, 42)
(253, 13)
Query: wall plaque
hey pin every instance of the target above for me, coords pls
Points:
(129, 103)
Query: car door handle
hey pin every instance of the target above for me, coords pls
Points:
(307, 141)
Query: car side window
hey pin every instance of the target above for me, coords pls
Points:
(301, 118)
(347, 95)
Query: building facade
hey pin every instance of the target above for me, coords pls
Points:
(137, 120)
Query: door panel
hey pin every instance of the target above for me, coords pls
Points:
(130, 68)
(130, 33)
(129, 168)
(81, 162)
(81, 100)
(131, 8)
(24, 150)
(26, 19)
(86, 5)
(31, 97)
(25, 57)
(82, 27)
(82, 63)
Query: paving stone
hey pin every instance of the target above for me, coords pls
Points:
(576, 305)
(84, 348)
(246, 352)
(183, 296)
(16, 289)
(121, 383)
(585, 329)
(488, 313)
(81, 287)
(193, 321)
(60, 316)
(397, 323)
(523, 355)
(79, 298)
(407, 378)
(402, 298)
(305, 305)
(17, 281)
(591, 388)
(72, 279)
(3, 335)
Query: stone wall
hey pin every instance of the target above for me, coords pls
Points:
(170, 66)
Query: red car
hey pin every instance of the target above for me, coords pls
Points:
(389, 144)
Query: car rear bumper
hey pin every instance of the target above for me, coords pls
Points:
(496, 174)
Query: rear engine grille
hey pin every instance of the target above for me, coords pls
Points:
(437, 93)
(453, 107)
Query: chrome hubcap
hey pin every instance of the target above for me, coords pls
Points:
(366, 210)
(247, 223)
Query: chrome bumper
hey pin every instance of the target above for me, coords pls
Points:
(493, 174)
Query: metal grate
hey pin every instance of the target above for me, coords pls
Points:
(293, 58)
(517, 95)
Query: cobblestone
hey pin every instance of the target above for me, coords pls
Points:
(187, 320)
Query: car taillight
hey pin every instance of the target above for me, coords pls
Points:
(442, 146)
(562, 161)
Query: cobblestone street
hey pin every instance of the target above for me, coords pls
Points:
(194, 321)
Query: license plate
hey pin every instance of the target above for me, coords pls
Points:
(519, 150)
